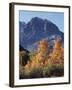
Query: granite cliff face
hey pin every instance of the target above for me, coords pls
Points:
(37, 29)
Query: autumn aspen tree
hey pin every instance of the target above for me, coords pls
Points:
(42, 51)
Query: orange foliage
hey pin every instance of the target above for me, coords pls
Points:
(57, 57)
(43, 59)
(42, 51)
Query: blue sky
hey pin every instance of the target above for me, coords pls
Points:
(55, 17)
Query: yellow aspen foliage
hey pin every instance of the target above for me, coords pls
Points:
(58, 54)
(42, 51)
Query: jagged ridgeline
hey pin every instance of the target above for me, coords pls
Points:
(41, 49)
(35, 30)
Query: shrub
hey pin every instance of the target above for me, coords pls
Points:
(31, 73)
(53, 71)
(42, 72)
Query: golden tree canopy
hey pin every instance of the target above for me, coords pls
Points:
(43, 46)
(57, 44)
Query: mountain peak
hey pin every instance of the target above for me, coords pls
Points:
(36, 19)
(37, 29)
